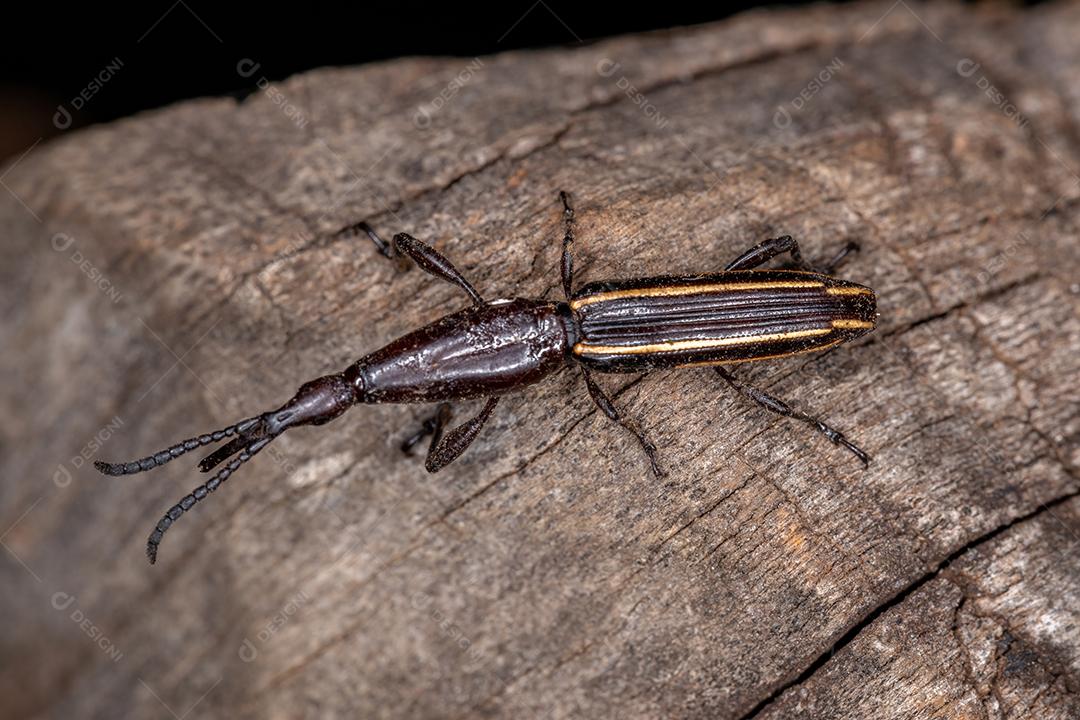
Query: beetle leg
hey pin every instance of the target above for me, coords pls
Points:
(767, 250)
(830, 267)
(567, 245)
(444, 450)
(386, 249)
(604, 403)
(405, 247)
(432, 262)
(436, 422)
(778, 406)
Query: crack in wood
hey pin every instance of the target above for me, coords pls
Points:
(896, 599)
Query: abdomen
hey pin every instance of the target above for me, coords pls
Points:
(730, 317)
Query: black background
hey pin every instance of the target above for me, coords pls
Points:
(175, 50)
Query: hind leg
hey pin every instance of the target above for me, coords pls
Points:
(767, 250)
(778, 406)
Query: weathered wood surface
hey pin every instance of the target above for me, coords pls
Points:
(547, 573)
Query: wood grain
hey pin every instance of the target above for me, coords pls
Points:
(173, 272)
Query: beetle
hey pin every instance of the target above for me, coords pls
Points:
(741, 314)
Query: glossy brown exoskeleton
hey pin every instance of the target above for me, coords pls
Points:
(493, 347)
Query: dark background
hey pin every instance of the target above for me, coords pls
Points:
(170, 50)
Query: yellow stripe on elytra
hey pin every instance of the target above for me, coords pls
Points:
(693, 290)
(816, 348)
(697, 344)
(849, 290)
(851, 324)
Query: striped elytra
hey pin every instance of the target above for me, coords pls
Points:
(729, 317)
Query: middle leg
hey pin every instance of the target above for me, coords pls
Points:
(604, 403)
(444, 449)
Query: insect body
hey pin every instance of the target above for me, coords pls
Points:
(491, 348)
(730, 317)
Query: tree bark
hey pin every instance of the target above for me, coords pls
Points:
(174, 272)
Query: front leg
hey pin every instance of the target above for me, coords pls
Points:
(404, 247)
(436, 422)
(567, 264)
(385, 249)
